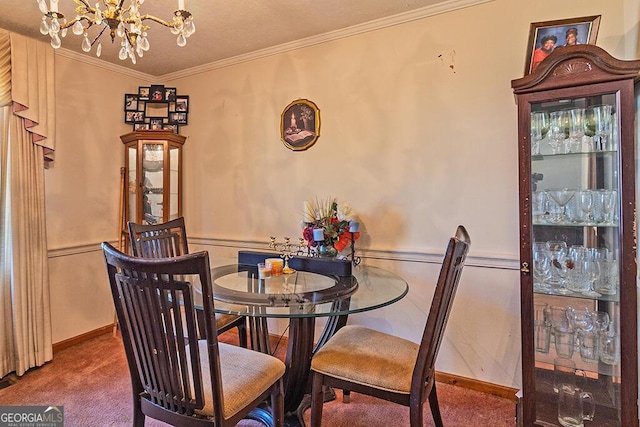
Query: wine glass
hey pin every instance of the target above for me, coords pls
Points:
(541, 268)
(561, 196)
(608, 203)
(558, 129)
(557, 252)
(576, 130)
(585, 203)
(539, 130)
(592, 272)
(602, 126)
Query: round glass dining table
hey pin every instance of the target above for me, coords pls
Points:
(301, 297)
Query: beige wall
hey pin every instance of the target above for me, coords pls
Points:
(418, 135)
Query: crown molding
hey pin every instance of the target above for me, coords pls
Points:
(95, 62)
(377, 24)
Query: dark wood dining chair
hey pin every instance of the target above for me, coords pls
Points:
(179, 378)
(169, 239)
(388, 367)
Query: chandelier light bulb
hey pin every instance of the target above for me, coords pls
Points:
(54, 5)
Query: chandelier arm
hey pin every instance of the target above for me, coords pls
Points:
(85, 4)
(104, 27)
(158, 20)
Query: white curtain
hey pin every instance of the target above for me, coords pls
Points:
(26, 144)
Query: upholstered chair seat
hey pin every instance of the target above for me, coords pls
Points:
(364, 356)
(246, 375)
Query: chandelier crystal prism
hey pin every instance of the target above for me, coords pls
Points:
(127, 23)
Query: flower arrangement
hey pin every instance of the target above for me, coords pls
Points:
(334, 219)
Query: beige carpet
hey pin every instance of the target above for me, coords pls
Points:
(91, 381)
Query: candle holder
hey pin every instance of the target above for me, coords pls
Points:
(287, 250)
(355, 260)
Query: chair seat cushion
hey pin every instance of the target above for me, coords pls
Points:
(368, 357)
(246, 374)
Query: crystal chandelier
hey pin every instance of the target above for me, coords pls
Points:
(127, 23)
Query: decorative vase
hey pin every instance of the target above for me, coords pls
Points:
(326, 250)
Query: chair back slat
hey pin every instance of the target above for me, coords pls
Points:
(154, 304)
(164, 240)
(441, 304)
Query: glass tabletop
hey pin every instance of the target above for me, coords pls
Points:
(237, 290)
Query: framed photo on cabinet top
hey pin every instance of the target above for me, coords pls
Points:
(545, 37)
(300, 124)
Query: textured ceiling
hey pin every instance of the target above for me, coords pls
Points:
(224, 28)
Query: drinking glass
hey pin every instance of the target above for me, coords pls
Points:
(609, 277)
(557, 252)
(576, 276)
(542, 337)
(601, 321)
(602, 126)
(539, 130)
(589, 343)
(541, 268)
(576, 131)
(564, 341)
(561, 196)
(585, 203)
(557, 316)
(558, 129)
(574, 406)
(592, 271)
(580, 319)
(539, 206)
(610, 349)
(565, 372)
(608, 202)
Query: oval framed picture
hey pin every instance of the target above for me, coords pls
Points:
(300, 124)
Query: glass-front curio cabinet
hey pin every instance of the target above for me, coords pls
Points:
(153, 176)
(578, 273)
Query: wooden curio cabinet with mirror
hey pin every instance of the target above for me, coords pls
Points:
(152, 177)
(577, 182)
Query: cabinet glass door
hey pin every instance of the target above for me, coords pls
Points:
(575, 247)
(152, 182)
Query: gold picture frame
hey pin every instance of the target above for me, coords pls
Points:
(557, 34)
(300, 124)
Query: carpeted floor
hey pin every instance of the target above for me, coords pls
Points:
(91, 381)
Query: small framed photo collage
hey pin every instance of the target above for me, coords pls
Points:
(156, 107)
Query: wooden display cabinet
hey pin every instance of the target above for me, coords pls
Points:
(577, 183)
(153, 176)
